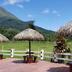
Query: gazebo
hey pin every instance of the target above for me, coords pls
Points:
(2, 39)
(66, 30)
(30, 35)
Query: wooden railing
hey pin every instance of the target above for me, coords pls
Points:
(41, 54)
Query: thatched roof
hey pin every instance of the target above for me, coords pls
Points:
(3, 38)
(29, 34)
(67, 29)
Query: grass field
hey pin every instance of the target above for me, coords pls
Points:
(24, 45)
(35, 45)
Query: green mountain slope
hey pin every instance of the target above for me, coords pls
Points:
(4, 13)
(11, 25)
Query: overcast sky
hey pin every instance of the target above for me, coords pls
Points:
(49, 14)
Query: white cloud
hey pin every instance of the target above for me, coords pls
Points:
(58, 15)
(18, 3)
(46, 11)
(27, 0)
(14, 1)
(54, 12)
(29, 16)
(11, 1)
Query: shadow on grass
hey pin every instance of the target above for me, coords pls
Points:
(58, 69)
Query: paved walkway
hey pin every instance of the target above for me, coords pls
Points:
(13, 65)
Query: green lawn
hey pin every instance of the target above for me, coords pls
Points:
(23, 45)
(35, 45)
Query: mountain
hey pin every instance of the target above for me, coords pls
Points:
(8, 20)
(4, 13)
(11, 25)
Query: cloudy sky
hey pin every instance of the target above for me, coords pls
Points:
(49, 14)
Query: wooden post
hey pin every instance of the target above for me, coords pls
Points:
(42, 54)
(29, 48)
(12, 53)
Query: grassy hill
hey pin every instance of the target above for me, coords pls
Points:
(11, 25)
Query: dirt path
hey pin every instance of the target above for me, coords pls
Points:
(14, 65)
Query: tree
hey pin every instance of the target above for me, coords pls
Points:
(31, 25)
(9, 32)
(61, 47)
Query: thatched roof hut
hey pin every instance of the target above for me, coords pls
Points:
(66, 30)
(3, 38)
(29, 34)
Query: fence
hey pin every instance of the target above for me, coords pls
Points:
(41, 54)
